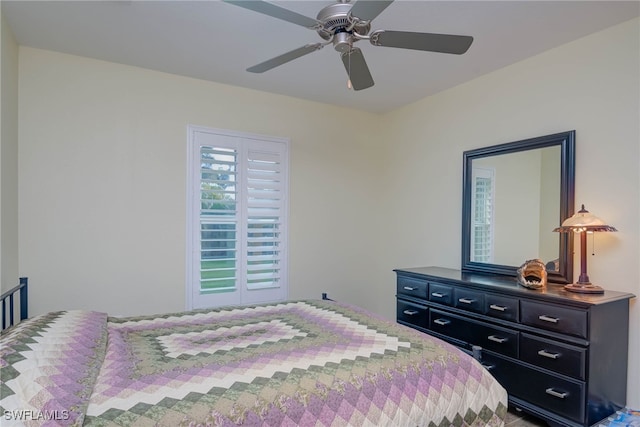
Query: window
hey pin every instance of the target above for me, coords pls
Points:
(482, 217)
(237, 218)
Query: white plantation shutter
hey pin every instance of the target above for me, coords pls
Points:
(238, 218)
(482, 224)
(218, 219)
(265, 209)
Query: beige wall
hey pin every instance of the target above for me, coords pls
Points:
(8, 159)
(102, 174)
(591, 85)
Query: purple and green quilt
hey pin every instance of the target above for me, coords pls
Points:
(299, 363)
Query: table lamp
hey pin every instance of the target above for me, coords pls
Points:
(584, 222)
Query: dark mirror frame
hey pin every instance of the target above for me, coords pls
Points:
(566, 141)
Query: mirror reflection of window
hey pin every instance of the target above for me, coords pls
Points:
(521, 211)
(482, 197)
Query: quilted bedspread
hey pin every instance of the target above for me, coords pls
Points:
(298, 363)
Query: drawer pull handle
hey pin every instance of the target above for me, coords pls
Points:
(558, 394)
(545, 353)
(442, 322)
(409, 288)
(498, 307)
(466, 300)
(549, 319)
(437, 294)
(410, 312)
(497, 339)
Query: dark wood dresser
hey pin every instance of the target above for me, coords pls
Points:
(561, 356)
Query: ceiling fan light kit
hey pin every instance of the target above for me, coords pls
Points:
(343, 24)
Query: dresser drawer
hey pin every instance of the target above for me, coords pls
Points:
(554, 318)
(442, 294)
(559, 395)
(499, 340)
(412, 313)
(552, 355)
(449, 325)
(468, 300)
(494, 338)
(412, 287)
(502, 307)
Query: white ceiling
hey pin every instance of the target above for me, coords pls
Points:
(217, 41)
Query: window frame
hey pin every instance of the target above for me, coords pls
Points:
(247, 142)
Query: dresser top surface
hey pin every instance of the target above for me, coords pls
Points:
(509, 284)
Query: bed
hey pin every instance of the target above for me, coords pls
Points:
(295, 363)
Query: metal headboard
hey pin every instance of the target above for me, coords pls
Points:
(9, 316)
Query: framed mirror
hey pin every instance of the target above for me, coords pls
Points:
(513, 196)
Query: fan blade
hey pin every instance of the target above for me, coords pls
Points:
(275, 12)
(443, 43)
(284, 58)
(366, 10)
(357, 69)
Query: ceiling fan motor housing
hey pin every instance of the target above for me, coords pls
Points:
(336, 24)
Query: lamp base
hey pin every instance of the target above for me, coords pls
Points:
(584, 288)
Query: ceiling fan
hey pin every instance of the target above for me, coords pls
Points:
(342, 25)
